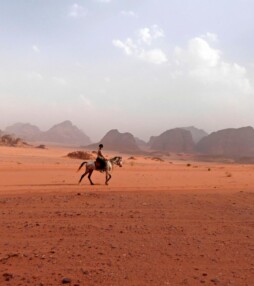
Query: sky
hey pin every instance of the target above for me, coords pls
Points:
(139, 66)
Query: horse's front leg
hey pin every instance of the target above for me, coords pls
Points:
(108, 177)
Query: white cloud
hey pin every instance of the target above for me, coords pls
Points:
(139, 47)
(148, 35)
(157, 32)
(200, 53)
(35, 49)
(129, 13)
(127, 46)
(155, 56)
(77, 11)
(205, 64)
(145, 35)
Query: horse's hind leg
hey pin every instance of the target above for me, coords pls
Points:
(81, 178)
(89, 177)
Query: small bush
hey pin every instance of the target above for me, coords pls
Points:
(80, 155)
(157, 159)
(41, 146)
(228, 174)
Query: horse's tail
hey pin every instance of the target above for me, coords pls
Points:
(82, 164)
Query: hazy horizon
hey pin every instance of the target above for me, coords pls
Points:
(137, 66)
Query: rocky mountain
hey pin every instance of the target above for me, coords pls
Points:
(66, 133)
(63, 133)
(228, 142)
(174, 140)
(197, 134)
(24, 130)
(116, 141)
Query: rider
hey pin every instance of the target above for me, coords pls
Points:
(100, 160)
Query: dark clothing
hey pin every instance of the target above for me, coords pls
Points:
(101, 163)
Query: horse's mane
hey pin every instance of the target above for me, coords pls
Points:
(115, 158)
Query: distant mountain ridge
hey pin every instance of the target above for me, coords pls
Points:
(25, 131)
(141, 143)
(173, 140)
(232, 142)
(117, 141)
(197, 134)
(67, 133)
(64, 132)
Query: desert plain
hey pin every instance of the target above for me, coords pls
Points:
(170, 222)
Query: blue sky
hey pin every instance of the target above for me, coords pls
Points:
(139, 66)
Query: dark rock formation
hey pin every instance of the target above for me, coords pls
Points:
(65, 133)
(197, 134)
(228, 142)
(174, 140)
(24, 130)
(116, 141)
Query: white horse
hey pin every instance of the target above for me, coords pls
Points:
(90, 167)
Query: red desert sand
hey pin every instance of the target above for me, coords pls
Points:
(157, 223)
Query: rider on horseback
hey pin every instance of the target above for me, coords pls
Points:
(100, 162)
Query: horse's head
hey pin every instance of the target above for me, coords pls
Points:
(117, 161)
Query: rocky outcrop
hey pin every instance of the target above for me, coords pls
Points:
(116, 141)
(174, 140)
(26, 131)
(228, 142)
(197, 134)
(63, 133)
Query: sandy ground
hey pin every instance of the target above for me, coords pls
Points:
(157, 223)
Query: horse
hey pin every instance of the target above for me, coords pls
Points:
(90, 167)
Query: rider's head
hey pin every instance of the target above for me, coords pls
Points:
(101, 146)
